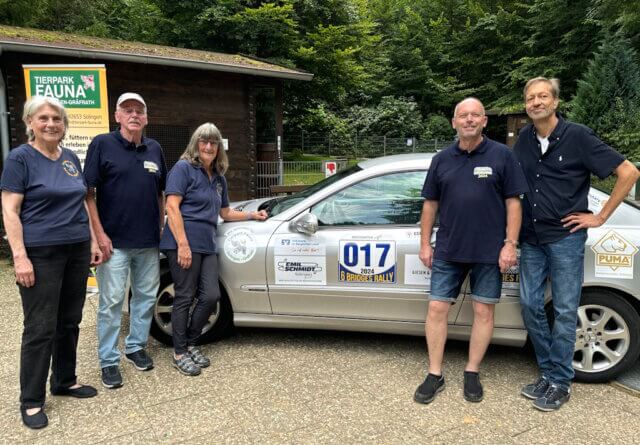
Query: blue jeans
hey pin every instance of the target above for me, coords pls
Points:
(112, 279)
(563, 262)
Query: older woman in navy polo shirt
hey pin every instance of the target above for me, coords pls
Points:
(196, 194)
(48, 230)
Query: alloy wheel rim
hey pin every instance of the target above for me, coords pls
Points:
(164, 306)
(602, 339)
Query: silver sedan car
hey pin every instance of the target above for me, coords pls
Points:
(343, 255)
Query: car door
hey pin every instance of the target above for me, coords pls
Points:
(507, 311)
(362, 262)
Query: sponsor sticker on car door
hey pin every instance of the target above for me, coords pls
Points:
(299, 261)
(367, 261)
(614, 256)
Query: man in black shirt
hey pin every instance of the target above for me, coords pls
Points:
(558, 158)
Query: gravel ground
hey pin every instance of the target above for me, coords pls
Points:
(291, 386)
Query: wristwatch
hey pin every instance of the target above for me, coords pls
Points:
(510, 241)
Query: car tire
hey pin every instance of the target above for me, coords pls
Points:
(219, 325)
(602, 354)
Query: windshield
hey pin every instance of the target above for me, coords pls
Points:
(278, 205)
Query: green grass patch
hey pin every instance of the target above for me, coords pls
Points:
(299, 178)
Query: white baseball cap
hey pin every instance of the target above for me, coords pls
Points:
(130, 96)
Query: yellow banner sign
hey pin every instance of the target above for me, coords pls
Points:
(82, 89)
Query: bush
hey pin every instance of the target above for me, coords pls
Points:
(438, 127)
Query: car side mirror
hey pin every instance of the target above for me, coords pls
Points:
(307, 223)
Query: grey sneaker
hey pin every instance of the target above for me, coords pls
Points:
(431, 386)
(536, 389)
(140, 360)
(111, 377)
(198, 357)
(553, 399)
(186, 366)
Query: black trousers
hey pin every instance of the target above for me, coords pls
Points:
(52, 312)
(200, 281)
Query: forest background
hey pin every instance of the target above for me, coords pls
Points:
(395, 67)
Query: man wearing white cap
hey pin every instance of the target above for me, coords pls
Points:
(125, 174)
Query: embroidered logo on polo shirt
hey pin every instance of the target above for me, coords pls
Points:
(219, 189)
(482, 172)
(151, 166)
(70, 168)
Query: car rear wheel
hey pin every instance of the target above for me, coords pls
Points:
(219, 325)
(607, 336)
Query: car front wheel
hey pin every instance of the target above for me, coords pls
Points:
(219, 324)
(607, 336)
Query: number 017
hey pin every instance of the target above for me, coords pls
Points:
(351, 254)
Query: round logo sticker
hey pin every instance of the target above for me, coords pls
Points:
(70, 168)
(240, 245)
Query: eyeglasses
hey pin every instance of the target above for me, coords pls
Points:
(466, 115)
(208, 141)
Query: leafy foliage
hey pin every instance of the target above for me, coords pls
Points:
(608, 96)
(396, 66)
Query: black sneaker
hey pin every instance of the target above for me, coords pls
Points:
(140, 360)
(472, 387)
(431, 386)
(111, 377)
(552, 399)
(536, 389)
(198, 357)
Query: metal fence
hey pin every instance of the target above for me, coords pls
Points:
(290, 173)
(359, 145)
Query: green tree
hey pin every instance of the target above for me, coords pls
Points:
(393, 116)
(560, 40)
(608, 96)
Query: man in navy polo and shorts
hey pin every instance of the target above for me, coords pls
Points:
(476, 185)
(125, 173)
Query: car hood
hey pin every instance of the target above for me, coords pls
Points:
(249, 205)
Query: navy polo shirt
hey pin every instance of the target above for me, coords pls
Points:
(202, 199)
(52, 211)
(471, 189)
(128, 181)
(559, 180)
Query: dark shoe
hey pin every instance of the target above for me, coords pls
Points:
(431, 386)
(536, 389)
(198, 358)
(35, 421)
(83, 392)
(186, 366)
(111, 377)
(140, 360)
(552, 399)
(472, 387)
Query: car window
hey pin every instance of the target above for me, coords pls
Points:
(389, 199)
(278, 205)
